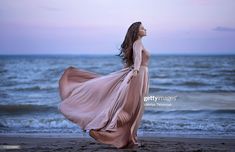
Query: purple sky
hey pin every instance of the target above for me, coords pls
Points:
(99, 26)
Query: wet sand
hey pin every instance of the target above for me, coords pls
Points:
(43, 144)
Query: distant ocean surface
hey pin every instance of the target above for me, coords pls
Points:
(204, 87)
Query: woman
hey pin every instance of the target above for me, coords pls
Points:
(110, 106)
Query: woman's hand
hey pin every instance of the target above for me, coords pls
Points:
(134, 74)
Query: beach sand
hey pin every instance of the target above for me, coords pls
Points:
(43, 144)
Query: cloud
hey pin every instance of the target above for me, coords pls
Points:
(201, 2)
(48, 8)
(224, 29)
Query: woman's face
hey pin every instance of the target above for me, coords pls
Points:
(142, 31)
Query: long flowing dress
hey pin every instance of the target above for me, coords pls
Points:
(109, 106)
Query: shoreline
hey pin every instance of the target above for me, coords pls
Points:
(66, 143)
(86, 135)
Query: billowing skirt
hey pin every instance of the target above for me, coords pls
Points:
(109, 106)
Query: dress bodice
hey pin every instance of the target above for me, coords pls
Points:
(145, 57)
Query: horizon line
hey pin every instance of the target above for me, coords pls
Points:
(69, 54)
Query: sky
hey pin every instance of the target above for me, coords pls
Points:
(99, 26)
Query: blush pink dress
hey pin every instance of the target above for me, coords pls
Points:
(109, 106)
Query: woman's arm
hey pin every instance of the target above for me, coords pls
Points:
(137, 54)
(137, 58)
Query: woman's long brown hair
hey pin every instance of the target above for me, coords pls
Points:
(126, 50)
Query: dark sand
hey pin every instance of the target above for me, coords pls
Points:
(43, 144)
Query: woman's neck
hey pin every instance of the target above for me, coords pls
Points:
(140, 38)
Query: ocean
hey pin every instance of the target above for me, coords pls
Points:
(190, 95)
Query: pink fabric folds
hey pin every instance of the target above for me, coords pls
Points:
(106, 105)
